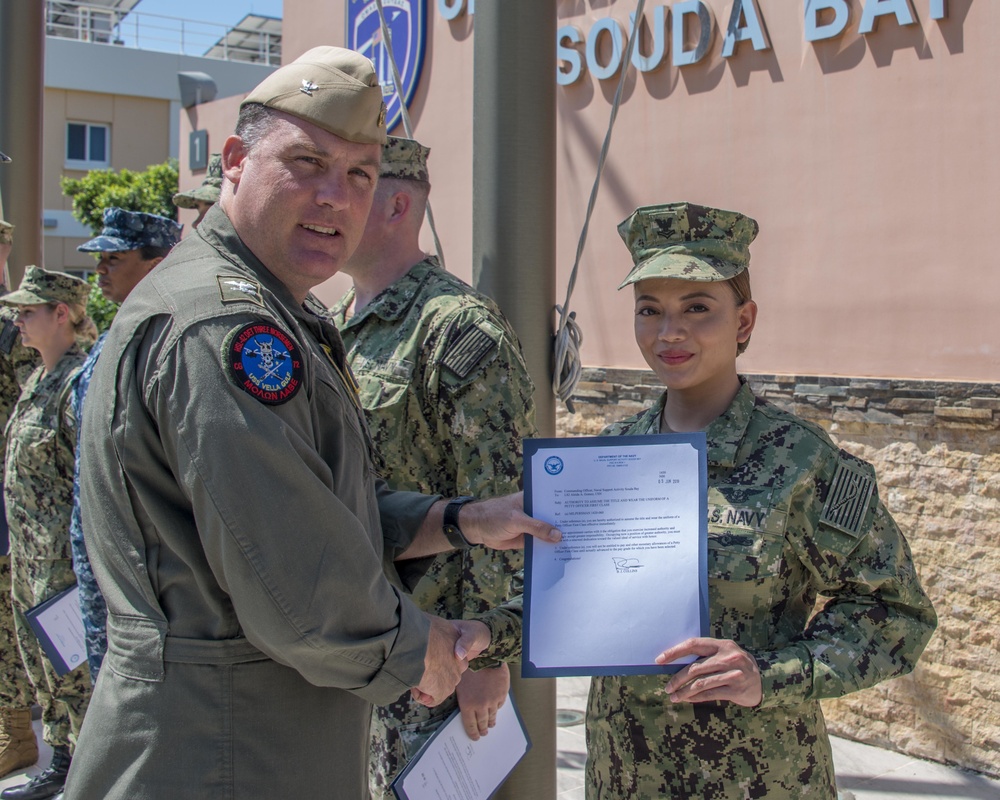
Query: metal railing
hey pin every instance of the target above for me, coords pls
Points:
(259, 43)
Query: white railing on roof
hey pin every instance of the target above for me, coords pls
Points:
(257, 39)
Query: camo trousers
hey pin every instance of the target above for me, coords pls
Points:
(63, 698)
(15, 688)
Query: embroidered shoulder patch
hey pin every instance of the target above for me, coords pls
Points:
(471, 347)
(263, 361)
(239, 289)
(848, 498)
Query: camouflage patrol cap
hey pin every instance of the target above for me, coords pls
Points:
(130, 230)
(684, 240)
(6, 232)
(209, 190)
(405, 159)
(334, 88)
(39, 286)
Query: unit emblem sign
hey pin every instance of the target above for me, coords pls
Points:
(264, 361)
(407, 24)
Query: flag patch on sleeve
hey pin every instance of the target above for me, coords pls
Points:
(470, 348)
(848, 499)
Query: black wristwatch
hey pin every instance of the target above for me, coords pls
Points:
(452, 532)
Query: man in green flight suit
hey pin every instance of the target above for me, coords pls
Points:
(247, 547)
(448, 399)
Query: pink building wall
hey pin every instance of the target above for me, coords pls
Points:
(869, 161)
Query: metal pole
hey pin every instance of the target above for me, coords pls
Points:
(22, 49)
(513, 255)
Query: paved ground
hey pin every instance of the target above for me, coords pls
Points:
(870, 773)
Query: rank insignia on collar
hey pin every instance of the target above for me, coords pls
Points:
(239, 289)
(264, 361)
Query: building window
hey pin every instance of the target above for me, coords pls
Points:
(88, 146)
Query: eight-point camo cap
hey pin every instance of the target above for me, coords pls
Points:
(6, 232)
(684, 240)
(39, 286)
(209, 190)
(131, 230)
(405, 159)
(334, 88)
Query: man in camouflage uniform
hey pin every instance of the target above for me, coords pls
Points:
(448, 399)
(18, 746)
(130, 245)
(38, 495)
(206, 195)
(790, 517)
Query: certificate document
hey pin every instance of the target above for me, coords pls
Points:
(450, 766)
(629, 577)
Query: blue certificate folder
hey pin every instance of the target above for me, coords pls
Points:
(58, 624)
(629, 578)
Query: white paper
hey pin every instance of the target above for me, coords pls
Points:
(623, 585)
(453, 767)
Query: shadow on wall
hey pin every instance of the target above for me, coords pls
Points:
(848, 50)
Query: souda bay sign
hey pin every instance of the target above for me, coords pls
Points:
(578, 52)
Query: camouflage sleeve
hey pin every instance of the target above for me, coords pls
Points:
(504, 623)
(24, 360)
(68, 425)
(876, 619)
(485, 401)
(483, 392)
(17, 362)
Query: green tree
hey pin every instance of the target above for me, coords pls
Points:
(151, 191)
(99, 308)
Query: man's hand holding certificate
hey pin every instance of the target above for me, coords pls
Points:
(628, 579)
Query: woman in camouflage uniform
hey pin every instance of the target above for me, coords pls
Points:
(790, 517)
(38, 491)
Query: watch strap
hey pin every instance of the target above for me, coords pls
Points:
(452, 532)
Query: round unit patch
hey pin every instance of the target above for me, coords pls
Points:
(263, 361)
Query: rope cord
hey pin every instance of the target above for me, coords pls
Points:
(407, 127)
(569, 336)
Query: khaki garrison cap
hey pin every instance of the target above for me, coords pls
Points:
(39, 286)
(331, 87)
(405, 159)
(684, 240)
(209, 190)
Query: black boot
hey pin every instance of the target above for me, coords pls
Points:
(46, 784)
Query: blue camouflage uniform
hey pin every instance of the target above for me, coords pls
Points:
(92, 605)
(123, 231)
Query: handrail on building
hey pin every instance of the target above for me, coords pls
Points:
(255, 39)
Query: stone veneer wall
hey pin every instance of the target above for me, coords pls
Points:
(936, 448)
